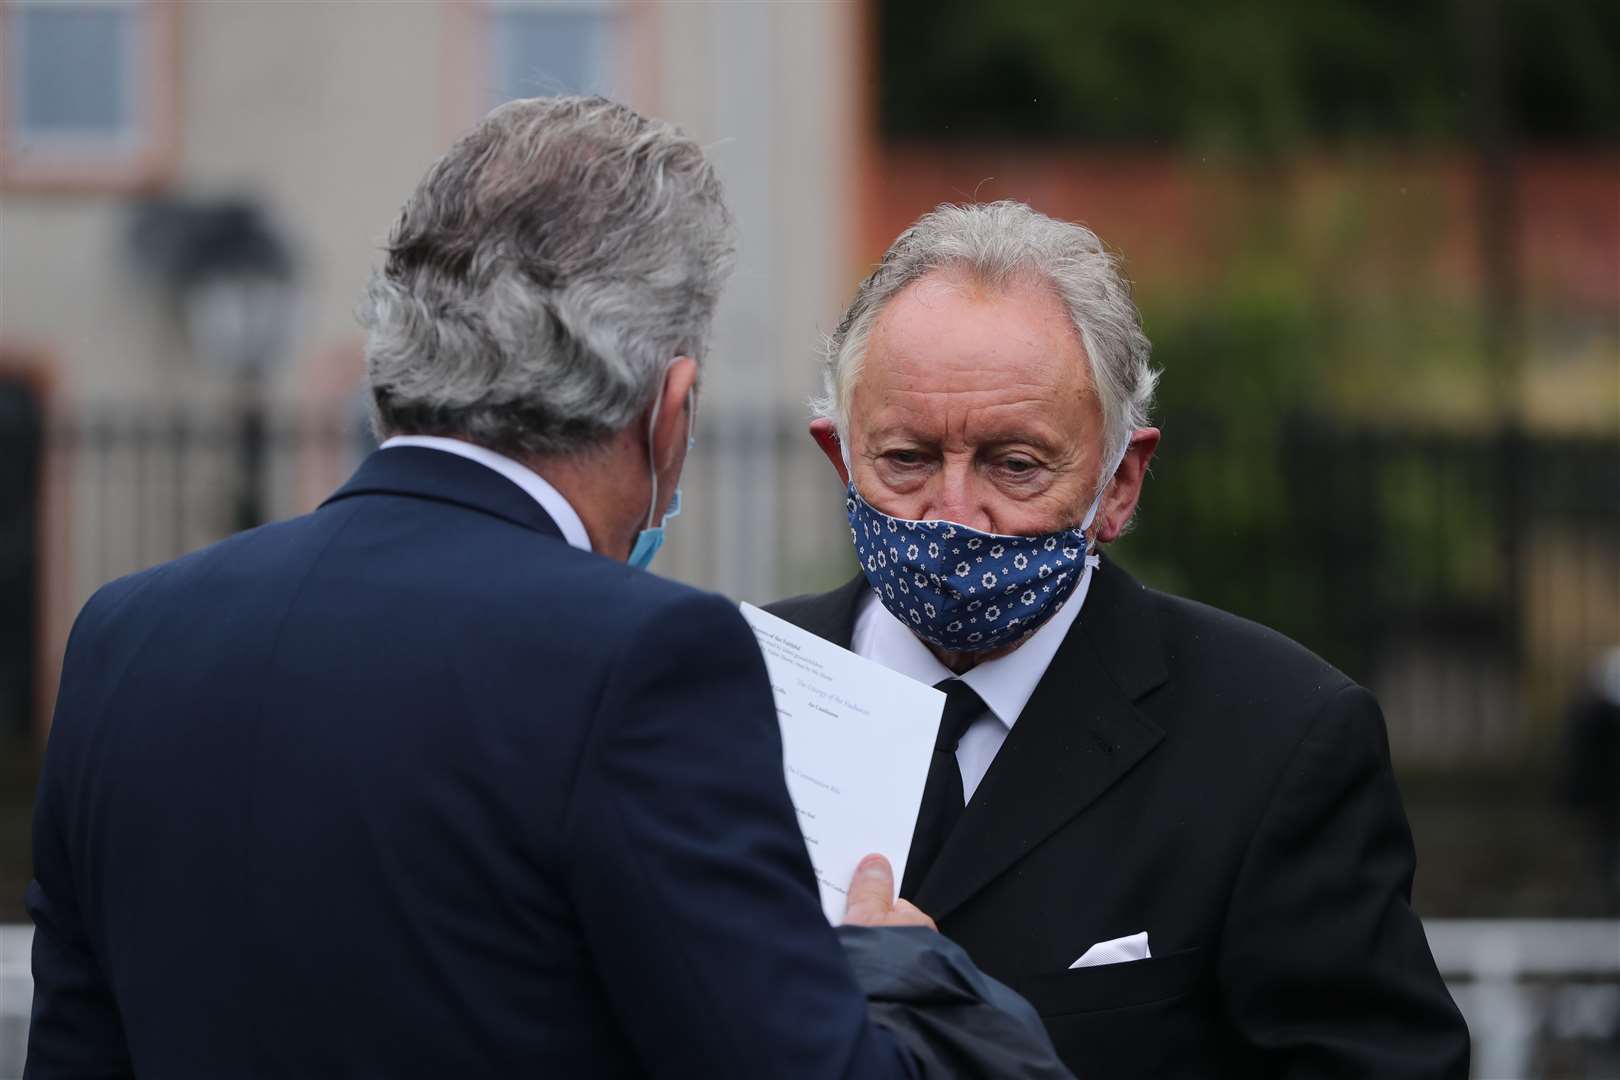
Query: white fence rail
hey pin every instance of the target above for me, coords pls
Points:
(16, 994)
(1529, 984)
(1523, 984)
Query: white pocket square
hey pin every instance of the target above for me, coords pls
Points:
(1120, 950)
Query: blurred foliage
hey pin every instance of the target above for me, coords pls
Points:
(1291, 486)
(1256, 75)
(1345, 528)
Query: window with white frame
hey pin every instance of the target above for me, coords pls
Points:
(85, 87)
(558, 47)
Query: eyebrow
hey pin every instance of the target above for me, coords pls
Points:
(990, 439)
(1043, 445)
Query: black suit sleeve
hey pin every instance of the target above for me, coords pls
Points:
(1324, 967)
(689, 875)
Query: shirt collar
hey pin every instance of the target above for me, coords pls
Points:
(1005, 683)
(550, 499)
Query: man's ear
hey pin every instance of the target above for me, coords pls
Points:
(671, 428)
(825, 432)
(1125, 488)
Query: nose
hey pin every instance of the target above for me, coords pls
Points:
(959, 494)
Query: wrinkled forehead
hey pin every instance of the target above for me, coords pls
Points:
(953, 354)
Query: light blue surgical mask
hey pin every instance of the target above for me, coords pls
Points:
(651, 538)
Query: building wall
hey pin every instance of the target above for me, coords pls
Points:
(773, 91)
(328, 114)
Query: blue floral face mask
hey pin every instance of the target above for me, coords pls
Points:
(966, 590)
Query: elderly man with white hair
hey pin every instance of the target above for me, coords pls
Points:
(434, 781)
(1175, 832)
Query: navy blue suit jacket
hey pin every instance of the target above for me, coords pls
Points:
(409, 787)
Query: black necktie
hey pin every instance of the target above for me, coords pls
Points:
(942, 792)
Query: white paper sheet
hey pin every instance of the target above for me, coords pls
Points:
(856, 742)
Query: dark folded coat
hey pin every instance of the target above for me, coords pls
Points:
(956, 1020)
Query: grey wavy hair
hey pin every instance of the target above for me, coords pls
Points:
(999, 243)
(543, 275)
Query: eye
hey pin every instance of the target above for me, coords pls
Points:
(1018, 466)
(904, 458)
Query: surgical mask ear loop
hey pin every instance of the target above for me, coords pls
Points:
(651, 538)
(652, 456)
(674, 508)
(652, 427)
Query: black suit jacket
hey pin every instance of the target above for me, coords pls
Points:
(1191, 774)
(408, 787)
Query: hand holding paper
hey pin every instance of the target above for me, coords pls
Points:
(872, 901)
(856, 742)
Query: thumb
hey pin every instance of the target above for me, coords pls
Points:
(871, 892)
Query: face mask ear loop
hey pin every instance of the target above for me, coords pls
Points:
(652, 457)
(1096, 503)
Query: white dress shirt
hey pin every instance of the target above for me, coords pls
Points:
(550, 499)
(1005, 683)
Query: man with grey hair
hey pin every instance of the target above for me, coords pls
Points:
(1175, 832)
(430, 782)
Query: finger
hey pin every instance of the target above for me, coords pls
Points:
(871, 892)
(906, 913)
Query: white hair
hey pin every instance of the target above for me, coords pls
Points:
(542, 277)
(999, 243)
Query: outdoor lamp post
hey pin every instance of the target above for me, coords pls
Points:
(233, 281)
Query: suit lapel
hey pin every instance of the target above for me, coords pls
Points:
(1080, 733)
